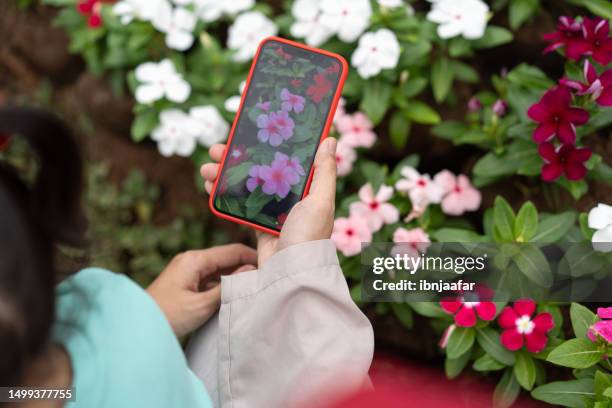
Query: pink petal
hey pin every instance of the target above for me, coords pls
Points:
(566, 133)
(471, 199)
(452, 205)
(543, 322)
(577, 116)
(446, 180)
(512, 339)
(590, 75)
(604, 329)
(524, 307)
(544, 132)
(575, 171)
(552, 171)
(466, 317)
(507, 318)
(389, 213)
(548, 152)
(605, 99)
(366, 194)
(579, 155)
(384, 193)
(538, 112)
(486, 310)
(536, 341)
(604, 312)
(450, 306)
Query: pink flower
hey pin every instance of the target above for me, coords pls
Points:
(411, 242)
(264, 106)
(500, 108)
(291, 101)
(375, 209)
(291, 162)
(278, 179)
(570, 35)
(596, 32)
(349, 233)
(599, 87)
(356, 130)
(474, 104)
(459, 194)
(520, 328)
(345, 157)
(254, 179)
(92, 9)
(602, 328)
(237, 155)
(467, 307)
(420, 188)
(567, 160)
(275, 127)
(556, 117)
(340, 110)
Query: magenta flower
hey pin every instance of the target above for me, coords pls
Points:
(275, 127)
(556, 117)
(520, 328)
(264, 106)
(567, 159)
(570, 35)
(602, 328)
(597, 35)
(459, 195)
(500, 108)
(291, 101)
(290, 162)
(474, 104)
(278, 179)
(255, 179)
(599, 87)
(467, 307)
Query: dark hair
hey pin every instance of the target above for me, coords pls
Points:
(35, 217)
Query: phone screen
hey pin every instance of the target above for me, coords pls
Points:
(279, 127)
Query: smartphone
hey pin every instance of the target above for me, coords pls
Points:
(286, 110)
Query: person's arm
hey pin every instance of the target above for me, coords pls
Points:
(288, 333)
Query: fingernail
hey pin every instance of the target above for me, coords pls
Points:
(330, 146)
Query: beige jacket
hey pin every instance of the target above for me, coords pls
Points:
(285, 334)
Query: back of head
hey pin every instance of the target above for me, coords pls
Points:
(35, 217)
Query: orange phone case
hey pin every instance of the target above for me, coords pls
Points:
(326, 128)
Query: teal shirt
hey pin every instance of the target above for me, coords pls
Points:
(122, 349)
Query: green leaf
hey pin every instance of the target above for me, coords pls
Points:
(441, 79)
(458, 235)
(460, 342)
(399, 130)
(464, 72)
(373, 173)
(449, 130)
(524, 370)
(567, 393)
(526, 223)
(506, 391)
(504, 219)
(454, 366)
(144, 124)
(376, 98)
(487, 363)
(489, 340)
(428, 309)
(554, 227)
(419, 112)
(238, 173)
(608, 392)
(602, 8)
(582, 318)
(404, 313)
(520, 11)
(256, 201)
(494, 165)
(533, 264)
(493, 37)
(576, 353)
(413, 87)
(602, 382)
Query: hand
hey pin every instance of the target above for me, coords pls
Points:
(189, 292)
(309, 220)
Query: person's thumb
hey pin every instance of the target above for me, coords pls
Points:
(323, 185)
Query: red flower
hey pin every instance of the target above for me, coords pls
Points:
(570, 35)
(566, 160)
(520, 328)
(320, 88)
(599, 87)
(237, 155)
(296, 83)
(92, 9)
(556, 117)
(4, 141)
(284, 55)
(467, 307)
(597, 35)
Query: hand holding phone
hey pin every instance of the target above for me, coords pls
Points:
(309, 220)
(286, 111)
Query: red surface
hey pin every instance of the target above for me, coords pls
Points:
(326, 128)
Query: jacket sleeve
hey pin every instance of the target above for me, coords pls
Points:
(286, 334)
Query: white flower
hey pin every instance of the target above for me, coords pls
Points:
(347, 18)
(176, 133)
(307, 25)
(247, 32)
(212, 127)
(376, 51)
(421, 189)
(145, 10)
(178, 25)
(390, 3)
(600, 219)
(459, 17)
(211, 10)
(158, 80)
(233, 102)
